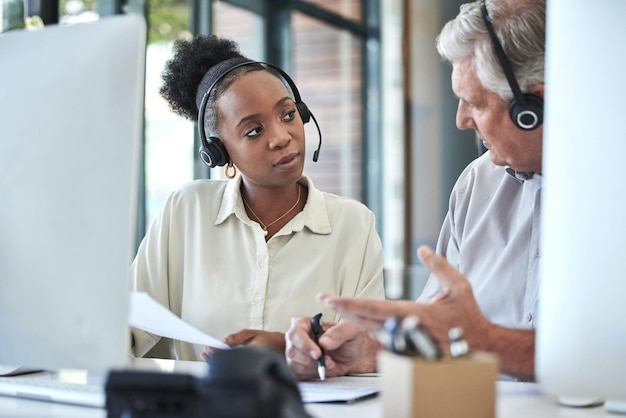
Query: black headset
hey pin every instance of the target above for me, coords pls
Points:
(212, 150)
(525, 110)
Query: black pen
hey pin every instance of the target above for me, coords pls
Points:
(316, 326)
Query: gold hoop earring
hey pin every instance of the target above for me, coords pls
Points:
(230, 171)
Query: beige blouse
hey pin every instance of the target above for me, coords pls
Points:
(207, 262)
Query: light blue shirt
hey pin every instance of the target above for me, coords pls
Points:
(491, 235)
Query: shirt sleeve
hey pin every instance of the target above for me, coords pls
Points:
(149, 273)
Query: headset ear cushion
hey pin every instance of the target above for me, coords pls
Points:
(213, 153)
(528, 116)
(304, 111)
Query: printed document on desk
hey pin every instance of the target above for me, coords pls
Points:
(340, 389)
(150, 316)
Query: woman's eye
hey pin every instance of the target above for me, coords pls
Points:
(253, 132)
(289, 116)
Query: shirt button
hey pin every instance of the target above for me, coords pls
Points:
(256, 299)
(529, 317)
(537, 253)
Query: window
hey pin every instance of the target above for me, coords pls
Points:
(327, 67)
(169, 139)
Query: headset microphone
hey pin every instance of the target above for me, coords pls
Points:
(525, 110)
(316, 153)
(212, 151)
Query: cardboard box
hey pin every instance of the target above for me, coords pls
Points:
(448, 388)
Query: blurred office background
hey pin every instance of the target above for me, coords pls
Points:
(367, 69)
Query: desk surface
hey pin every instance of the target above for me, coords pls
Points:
(515, 400)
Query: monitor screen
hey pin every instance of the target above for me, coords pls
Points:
(71, 111)
(581, 339)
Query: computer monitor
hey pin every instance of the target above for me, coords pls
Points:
(71, 111)
(581, 334)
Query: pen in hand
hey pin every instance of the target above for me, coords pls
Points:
(316, 326)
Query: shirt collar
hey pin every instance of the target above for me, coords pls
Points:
(232, 203)
(314, 216)
(520, 176)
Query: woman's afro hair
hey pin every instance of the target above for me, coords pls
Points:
(184, 71)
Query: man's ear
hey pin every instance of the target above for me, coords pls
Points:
(537, 90)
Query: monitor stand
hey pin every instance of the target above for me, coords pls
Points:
(615, 406)
(580, 401)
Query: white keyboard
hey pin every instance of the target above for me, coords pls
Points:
(50, 389)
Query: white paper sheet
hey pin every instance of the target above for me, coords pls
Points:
(147, 314)
(340, 389)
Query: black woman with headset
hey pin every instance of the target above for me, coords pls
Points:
(237, 258)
